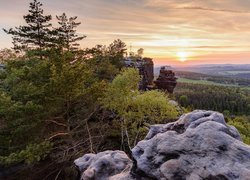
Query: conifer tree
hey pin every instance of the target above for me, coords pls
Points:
(116, 51)
(36, 34)
(66, 33)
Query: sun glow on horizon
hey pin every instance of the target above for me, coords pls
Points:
(182, 56)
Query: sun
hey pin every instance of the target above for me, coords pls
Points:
(182, 56)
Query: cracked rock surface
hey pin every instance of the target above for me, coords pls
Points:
(103, 165)
(200, 145)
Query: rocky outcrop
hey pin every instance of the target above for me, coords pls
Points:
(103, 165)
(166, 80)
(200, 145)
(146, 70)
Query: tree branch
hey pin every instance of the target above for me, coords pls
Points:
(126, 132)
(57, 123)
(90, 138)
(58, 134)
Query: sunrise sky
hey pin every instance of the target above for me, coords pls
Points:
(170, 31)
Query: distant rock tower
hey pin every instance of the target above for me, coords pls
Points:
(146, 70)
(166, 80)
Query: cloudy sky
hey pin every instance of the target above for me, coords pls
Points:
(170, 31)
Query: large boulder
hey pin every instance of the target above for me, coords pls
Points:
(200, 145)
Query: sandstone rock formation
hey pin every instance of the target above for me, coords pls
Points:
(200, 145)
(166, 80)
(146, 71)
(103, 165)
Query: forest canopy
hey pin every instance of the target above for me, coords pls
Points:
(58, 101)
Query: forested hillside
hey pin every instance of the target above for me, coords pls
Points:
(224, 80)
(233, 102)
(58, 101)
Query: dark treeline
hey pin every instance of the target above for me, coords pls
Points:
(230, 100)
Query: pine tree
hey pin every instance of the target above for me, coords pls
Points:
(116, 51)
(36, 34)
(66, 33)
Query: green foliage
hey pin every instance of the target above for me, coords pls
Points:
(65, 34)
(20, 123)
(50, 96)
(116, 51)
(183, 99)
(242, 123)
(32, 153)
(50, 100)
(228, 100)
(101, 63)
(150, 106)
(136, 108)
(218, 98)
(122, 90)
(124, 97)
(24, 82)
(53, 99)
(113, 54)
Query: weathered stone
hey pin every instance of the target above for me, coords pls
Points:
(103, 165)
(199, 146)
(166, 80)
(146, 71)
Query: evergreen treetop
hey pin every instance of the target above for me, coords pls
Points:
(36, 34)
(66, 33)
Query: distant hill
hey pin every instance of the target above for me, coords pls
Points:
(213, 78)
(157, 69)
(227, 70)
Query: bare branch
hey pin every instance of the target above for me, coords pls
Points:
(90, 138)
(57, 123)
(126, 132)
(58, 174)
(58, 134)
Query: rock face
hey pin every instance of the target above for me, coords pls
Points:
(200, 145)
(166, 80)
(103, 165)
(146, 70)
